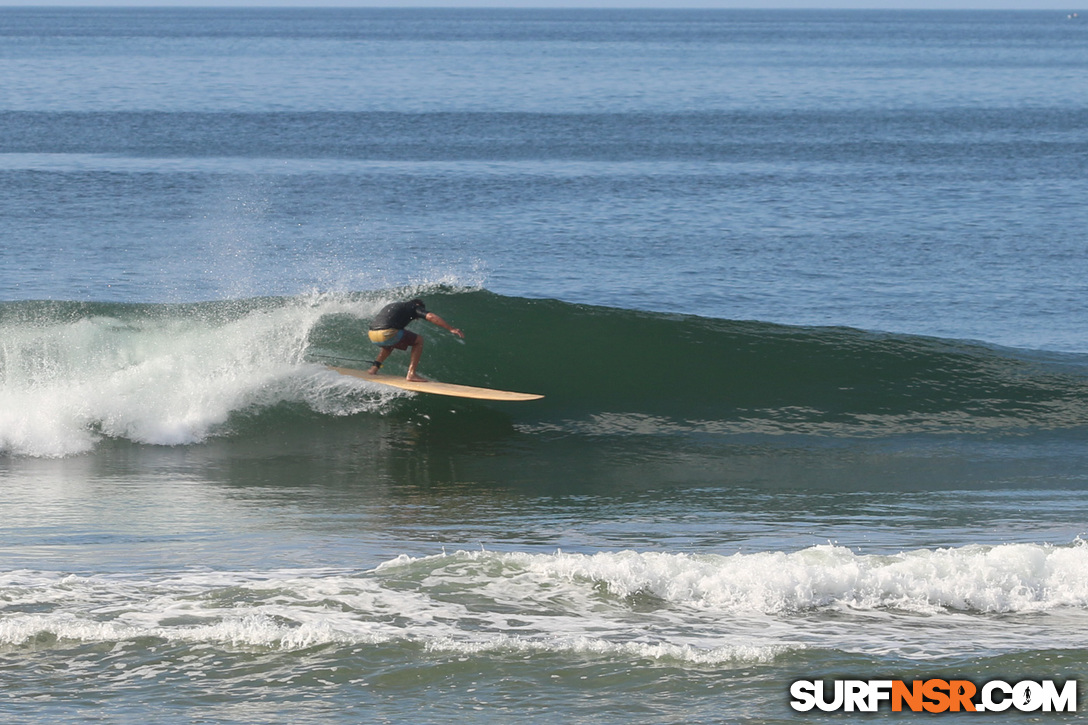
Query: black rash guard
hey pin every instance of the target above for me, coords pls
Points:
(398, 315)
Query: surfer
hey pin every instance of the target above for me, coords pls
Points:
(387, 331)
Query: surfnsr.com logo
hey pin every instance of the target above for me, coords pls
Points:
(934, 696)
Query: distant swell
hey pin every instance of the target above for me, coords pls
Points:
(72, 374)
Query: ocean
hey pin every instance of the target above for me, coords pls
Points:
(805, 292)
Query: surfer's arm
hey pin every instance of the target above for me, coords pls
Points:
(436, 320)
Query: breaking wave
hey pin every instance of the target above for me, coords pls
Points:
(74, 374)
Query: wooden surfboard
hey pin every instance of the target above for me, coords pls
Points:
(431, 386)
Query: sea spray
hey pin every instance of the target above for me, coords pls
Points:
(163, 375)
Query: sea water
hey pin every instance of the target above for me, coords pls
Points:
(805, 292)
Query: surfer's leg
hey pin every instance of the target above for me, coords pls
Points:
(382, 355)
(417, 353)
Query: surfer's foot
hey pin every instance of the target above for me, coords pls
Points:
(414, 378)
(372, 371)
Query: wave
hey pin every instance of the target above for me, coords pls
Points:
(675, 607)
(1010, 578)
(74, 374)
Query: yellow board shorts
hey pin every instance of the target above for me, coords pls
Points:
(399, 339)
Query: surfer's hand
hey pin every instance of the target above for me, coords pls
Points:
(457, 331)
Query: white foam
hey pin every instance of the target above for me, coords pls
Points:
(673, 607)
(1009, 578)
(597, 646)
(164, 380)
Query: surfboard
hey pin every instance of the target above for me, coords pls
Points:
(436, 388)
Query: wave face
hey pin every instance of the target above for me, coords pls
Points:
(73, 374)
